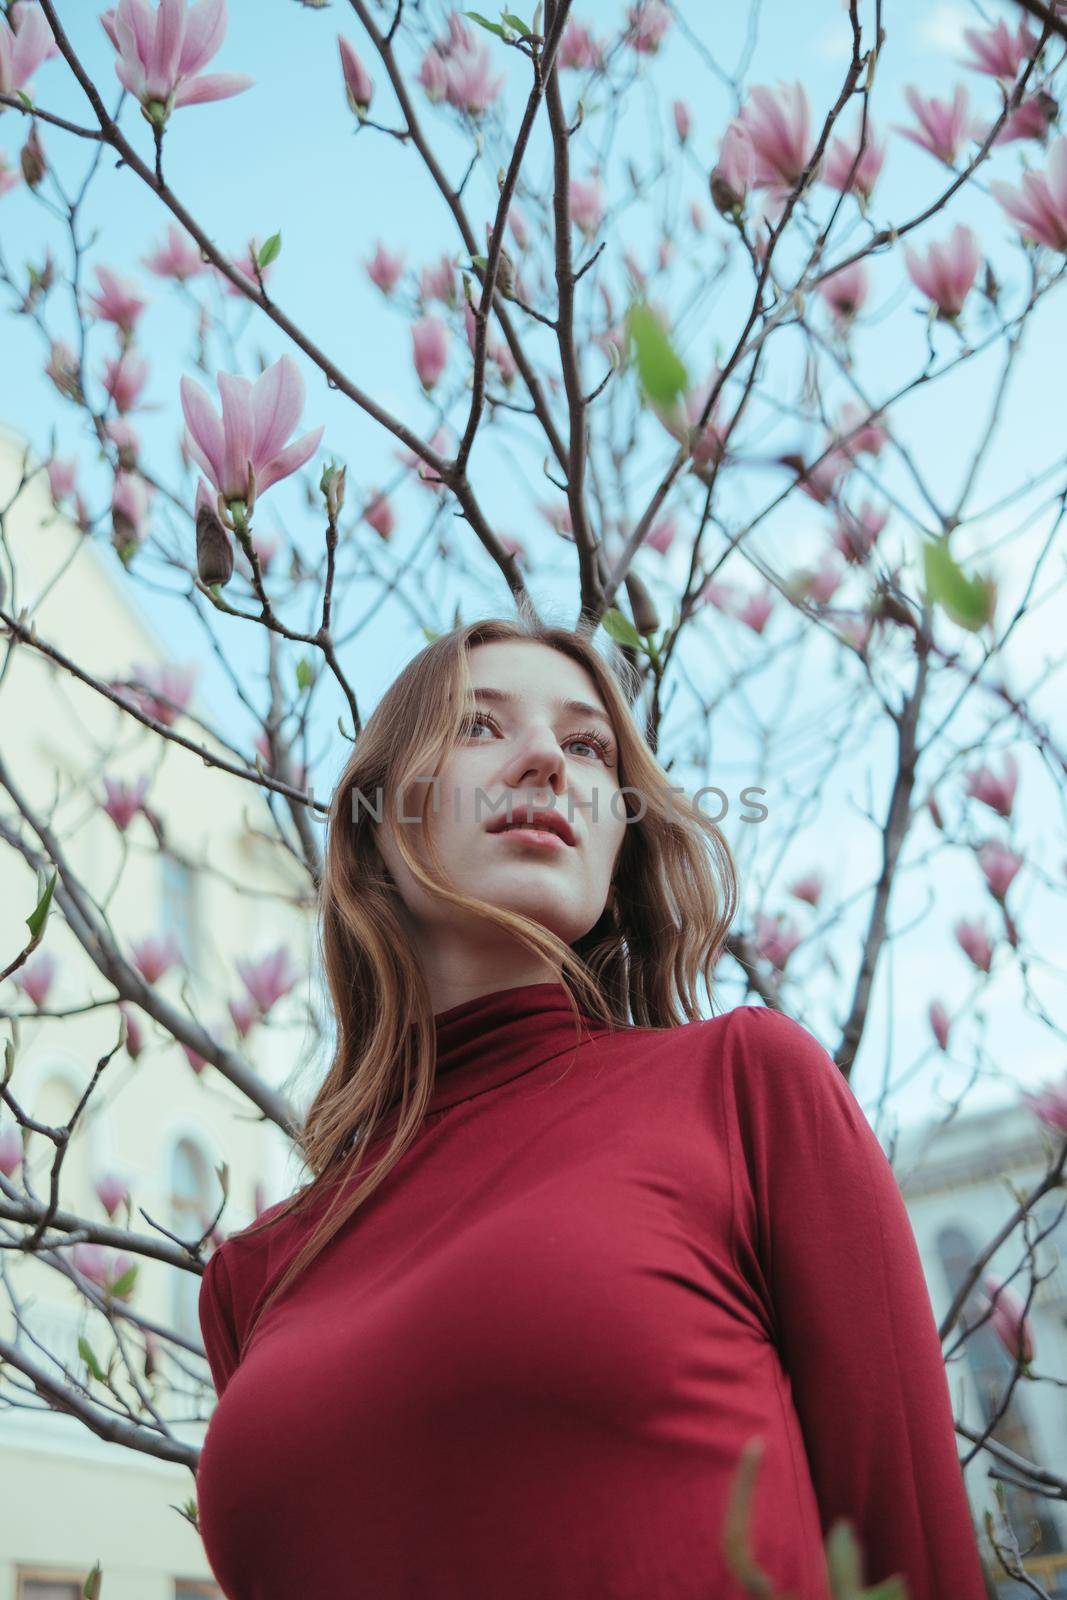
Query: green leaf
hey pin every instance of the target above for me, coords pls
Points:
(483, 22)
(270, 251)
(305, 673)
(660, 369)
(39, 915)
(93, 1588)
(88, 1355)
(517, 23)
(122, 1286)
(621, 628)
(430, 635)
(968, 601)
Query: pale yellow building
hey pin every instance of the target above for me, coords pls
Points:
(67, 1498)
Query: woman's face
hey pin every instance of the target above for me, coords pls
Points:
(523, 744)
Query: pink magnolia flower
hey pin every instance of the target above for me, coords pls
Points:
(23, 48)
(648, 22)
(62, 476)
(821, 481)
(661, 534)
(442, 443)
(117, 300)
(268, 979)
(154, 956)
(943, 126)
(845, 292)
(1050, 1104)
(10, 1152)
(124, 377)
(723, 596)
(755, 612)
(127, 441)
(776, 939)
(1039, 207)
(245, 452)
(457, 68)
(359, 90)
(244, 1014)
(822, 584)
(779, 127)
(430, 340)
(837, 168)
(517, 223)
(111, 1191)
(162, 53)
(683, 122)
(974, 941)
(586, 204)
(578, 49)
(856, 532)
(808, 888)
(939, 1023)
(439, 281)
(379, 516)
(36, 976)
(179, 258)
(385, 269)
(735, 171)
(696, 216)
(134, 1033)
(997, 793)
(999, 866)
(946, 275)
(999, 52)
(162, 693)
(861, 432)
(1031, 119)
(103, 1266)
(1009, 1320)
(122, 801)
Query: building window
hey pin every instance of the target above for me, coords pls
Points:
(191, 1209)
(37, 1584)
(991, 1368)
(181, 909)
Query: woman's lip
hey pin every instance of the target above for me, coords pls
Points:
(540, 836)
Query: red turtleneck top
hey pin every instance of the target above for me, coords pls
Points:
(527, 1366)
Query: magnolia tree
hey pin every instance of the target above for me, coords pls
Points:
(753, 406)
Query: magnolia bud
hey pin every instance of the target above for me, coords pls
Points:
(34, 165)
(214, 552)
(646, 617)
(332, 485)
(725, 199)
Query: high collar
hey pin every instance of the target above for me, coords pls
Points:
(487, 1041)
(490, 1040)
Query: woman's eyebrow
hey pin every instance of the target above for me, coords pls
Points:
(578, 708)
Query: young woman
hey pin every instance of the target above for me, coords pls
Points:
(568, 1248)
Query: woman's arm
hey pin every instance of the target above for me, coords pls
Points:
(854, 1324)
(216, 1320)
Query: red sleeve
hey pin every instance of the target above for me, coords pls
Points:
(216, 1320)
(854, 1324)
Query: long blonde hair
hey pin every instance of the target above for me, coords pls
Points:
(676, 895)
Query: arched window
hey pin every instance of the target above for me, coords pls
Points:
(191, 1189)
(991, 1368)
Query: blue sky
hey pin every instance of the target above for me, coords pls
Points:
(284, 156)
